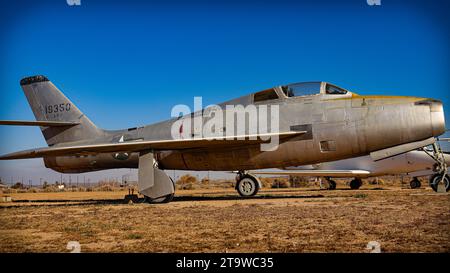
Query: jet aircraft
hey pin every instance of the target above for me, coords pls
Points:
(317, 122)
(413, 164)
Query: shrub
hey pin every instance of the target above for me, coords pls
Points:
(18, 185)
(299, 181)
(280, 183)
(360, 195)
(376, 181)
(205, 181)
(265, 182)
(188, 186)
(104, 188)
(186, 179)
(32, 190)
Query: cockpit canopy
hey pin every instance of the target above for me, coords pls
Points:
(298, 90)
(311, 88)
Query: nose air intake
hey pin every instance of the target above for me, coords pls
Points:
(436, 114)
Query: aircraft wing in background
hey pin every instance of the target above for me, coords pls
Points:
(318, 173)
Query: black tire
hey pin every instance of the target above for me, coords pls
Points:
(247, 186)
(355, 184)
(331, 185)
(434, 180)
(415, 183)
(164, 199)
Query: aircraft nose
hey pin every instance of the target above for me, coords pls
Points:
(437, 118)
(437, 115)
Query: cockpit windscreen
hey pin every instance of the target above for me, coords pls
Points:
(334, 90)
(301, 89)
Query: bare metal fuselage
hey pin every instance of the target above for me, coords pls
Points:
(412, 164)
(339, 127)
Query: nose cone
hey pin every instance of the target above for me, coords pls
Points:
(437, 118)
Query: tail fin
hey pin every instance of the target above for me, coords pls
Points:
(50, 104)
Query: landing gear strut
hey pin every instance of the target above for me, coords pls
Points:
(247, 184)
(415, 183)
(154, 183)
(441, 170)
(331, 184)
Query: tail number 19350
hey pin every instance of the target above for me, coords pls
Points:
(57, 108)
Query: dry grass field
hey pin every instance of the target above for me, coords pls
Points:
(218, 220)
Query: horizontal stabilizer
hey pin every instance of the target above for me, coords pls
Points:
(38, 123)
(148, 145)
(318, 173)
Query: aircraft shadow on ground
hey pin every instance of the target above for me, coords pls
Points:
(286, 194)
(61, 202)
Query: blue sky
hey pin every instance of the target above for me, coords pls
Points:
(127, 63)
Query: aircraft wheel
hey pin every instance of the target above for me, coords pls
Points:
(435, 179)
(355, 184)
(247, 186)
(331, 185)
(415, 183)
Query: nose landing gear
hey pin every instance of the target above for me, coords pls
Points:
(441, 176)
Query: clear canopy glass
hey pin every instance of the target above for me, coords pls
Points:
(311, 88)
(301, 89)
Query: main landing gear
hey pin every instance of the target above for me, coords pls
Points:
(330, 184)
(154, 183)
(415, 183)
(164, 199)
(247, 184)
(355, 183)
(441, 177)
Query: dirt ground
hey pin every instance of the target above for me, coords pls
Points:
(218, 220)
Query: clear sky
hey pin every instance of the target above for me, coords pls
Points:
(127, 63)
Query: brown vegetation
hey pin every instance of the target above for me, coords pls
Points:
(217, 220)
